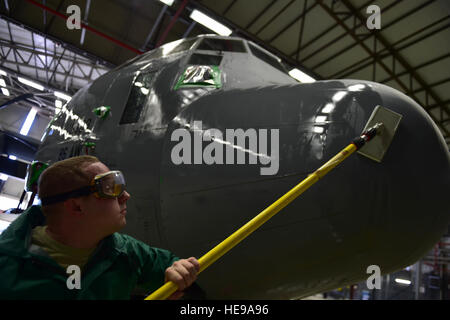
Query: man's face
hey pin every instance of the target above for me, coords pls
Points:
(105, 216)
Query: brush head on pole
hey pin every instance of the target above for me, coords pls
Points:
(377, 147)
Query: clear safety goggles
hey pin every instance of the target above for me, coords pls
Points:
(107, 185)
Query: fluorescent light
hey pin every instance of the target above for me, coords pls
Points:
(321, 118)
(5, 92)
(210, 23)
(328, 108)
(12, 157)
(31, 83)
(58, 104)
(3, 177)
(4, 225)
(318, 129)
(2, 82)
(63, 96)
(167, 2)
(339, 95)
(403, 281)
(7, 202)
(301, 76)
(28, 122)
(356, 87)
(3, 73)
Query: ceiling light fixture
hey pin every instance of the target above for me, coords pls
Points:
(403, 281)
(301, 76)
(62, 96)
(31, 83)
(210, 23)
(167, 2)
(28, 122)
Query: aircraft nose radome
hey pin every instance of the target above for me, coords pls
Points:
(414, 184)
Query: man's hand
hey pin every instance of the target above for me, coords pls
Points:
(183, 273)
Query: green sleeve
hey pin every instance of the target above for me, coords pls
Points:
(152, 264)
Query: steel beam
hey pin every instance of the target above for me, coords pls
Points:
(97, 32)
(274, 17)
(349, 70)
(228, 8)
(259, 15)
(301, 16)
(155, 25)
(172, 23)
(396, 55)
(357, 14)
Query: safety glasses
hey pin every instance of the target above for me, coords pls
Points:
(107, 185)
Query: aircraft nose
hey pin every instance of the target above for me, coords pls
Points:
(410, 186)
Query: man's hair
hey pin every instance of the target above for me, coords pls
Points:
(64, 176)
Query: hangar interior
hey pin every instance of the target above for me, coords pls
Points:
(43, 64)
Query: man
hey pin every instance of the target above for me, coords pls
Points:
(75, 231)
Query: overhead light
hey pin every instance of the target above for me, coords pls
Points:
(301, 76)
(328, 108)
(403, 281)
(138, 84)
(338, 96)
(31, 84)
(210, 23)
(3, 73)
(28, 122)
(63, 96)
(2, 82)
(318, 129)
(12, 157)
(145, 91)
(5, 92)
(356, 87)
(167, 2)
(3, 177)
(58, 104)
(321, 118)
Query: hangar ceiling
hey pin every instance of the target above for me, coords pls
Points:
(328, 39)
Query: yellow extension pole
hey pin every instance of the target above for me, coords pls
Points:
(218, 251)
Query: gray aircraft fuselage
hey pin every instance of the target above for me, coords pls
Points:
(362, 213)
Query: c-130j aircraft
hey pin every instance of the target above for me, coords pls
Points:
(163, 118)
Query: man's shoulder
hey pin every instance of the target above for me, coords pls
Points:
(123, 239)
(128, 244)
(133, 247)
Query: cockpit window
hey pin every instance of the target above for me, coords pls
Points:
(205, 59)
(183, 46)
(266, 58)
(138, 97)
(221, 45)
